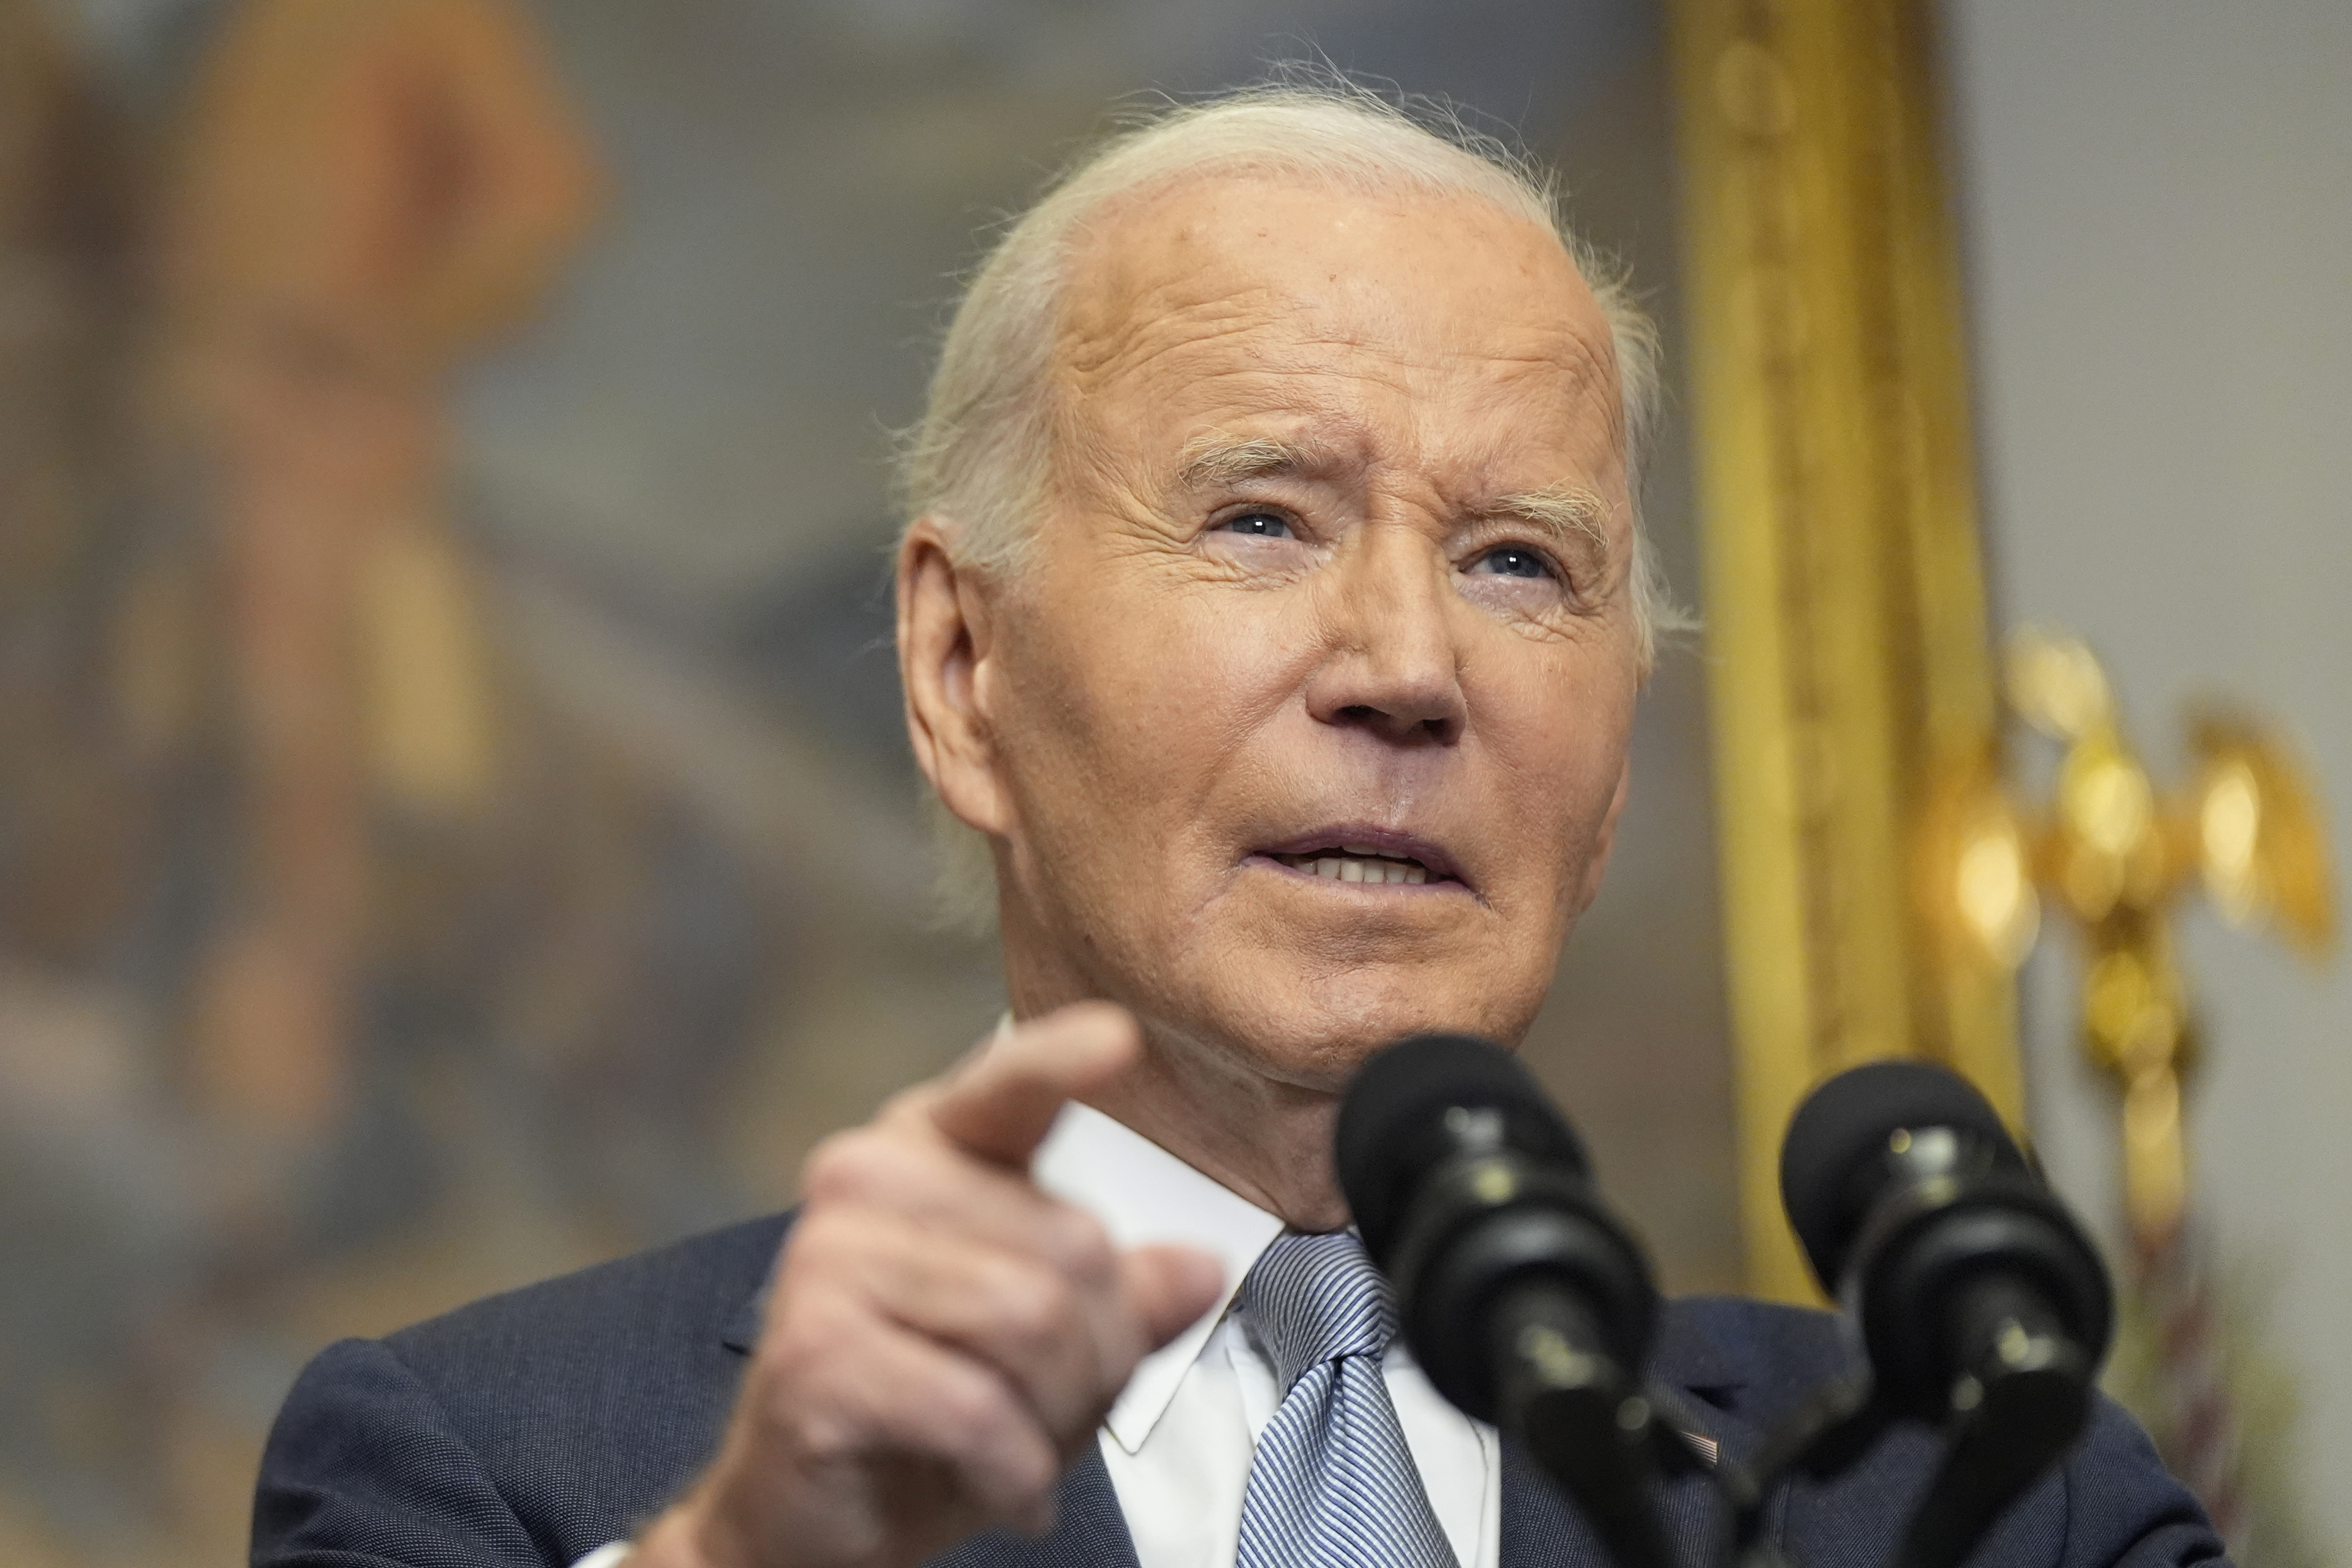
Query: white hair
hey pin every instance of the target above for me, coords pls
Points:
(980, 460)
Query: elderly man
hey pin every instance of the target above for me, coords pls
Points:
(1271, 620)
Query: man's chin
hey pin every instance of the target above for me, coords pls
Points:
(1315, 1026)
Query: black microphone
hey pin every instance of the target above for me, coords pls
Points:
(1525, 1301)
(1982, 1306)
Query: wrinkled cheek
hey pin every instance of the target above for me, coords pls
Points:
(1571, 780)
(1095, 756)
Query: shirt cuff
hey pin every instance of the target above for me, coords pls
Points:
(605, 1556)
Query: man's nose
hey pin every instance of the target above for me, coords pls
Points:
(1394, 664)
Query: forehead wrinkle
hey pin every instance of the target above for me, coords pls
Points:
(1290, 356)
(1259, 328)
(1138, 265)
(1104, 344)
(1257, 338)
(1592, 367)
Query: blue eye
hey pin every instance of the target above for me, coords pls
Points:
(1258, 526)
(1513, 561)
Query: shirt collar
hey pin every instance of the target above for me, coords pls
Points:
(1145, 1195)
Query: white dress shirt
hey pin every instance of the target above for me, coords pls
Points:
(1178, 1440)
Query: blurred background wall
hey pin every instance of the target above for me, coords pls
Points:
(2158, 201)
(453, 821)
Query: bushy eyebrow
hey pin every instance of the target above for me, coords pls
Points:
(1567, 512)
(1211, 461)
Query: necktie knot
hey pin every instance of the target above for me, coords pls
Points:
(1314, 1299)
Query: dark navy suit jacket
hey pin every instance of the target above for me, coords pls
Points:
(533, 1428)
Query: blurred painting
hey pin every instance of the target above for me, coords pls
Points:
(455, 819)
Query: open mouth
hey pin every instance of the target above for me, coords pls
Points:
(1367, 858)
(1355, 862)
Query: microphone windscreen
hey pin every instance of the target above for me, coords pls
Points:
(1849, 1121)
(1394, 1128)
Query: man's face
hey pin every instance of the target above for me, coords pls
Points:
(1308, 720)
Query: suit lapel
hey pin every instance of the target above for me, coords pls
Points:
(742, 1333)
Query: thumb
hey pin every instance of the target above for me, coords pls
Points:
(1169, 1287)
(999, 1104)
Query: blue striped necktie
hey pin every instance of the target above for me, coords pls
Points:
(1332, 1484)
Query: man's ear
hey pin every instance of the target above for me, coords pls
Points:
(1605, 840)
(943, 651)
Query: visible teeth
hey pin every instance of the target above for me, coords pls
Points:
(1357, 865)
(1366, 850)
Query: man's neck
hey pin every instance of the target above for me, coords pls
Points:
(1268, 1141)
(1197, 1096)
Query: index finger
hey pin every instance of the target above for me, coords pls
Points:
(1000, 1103)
